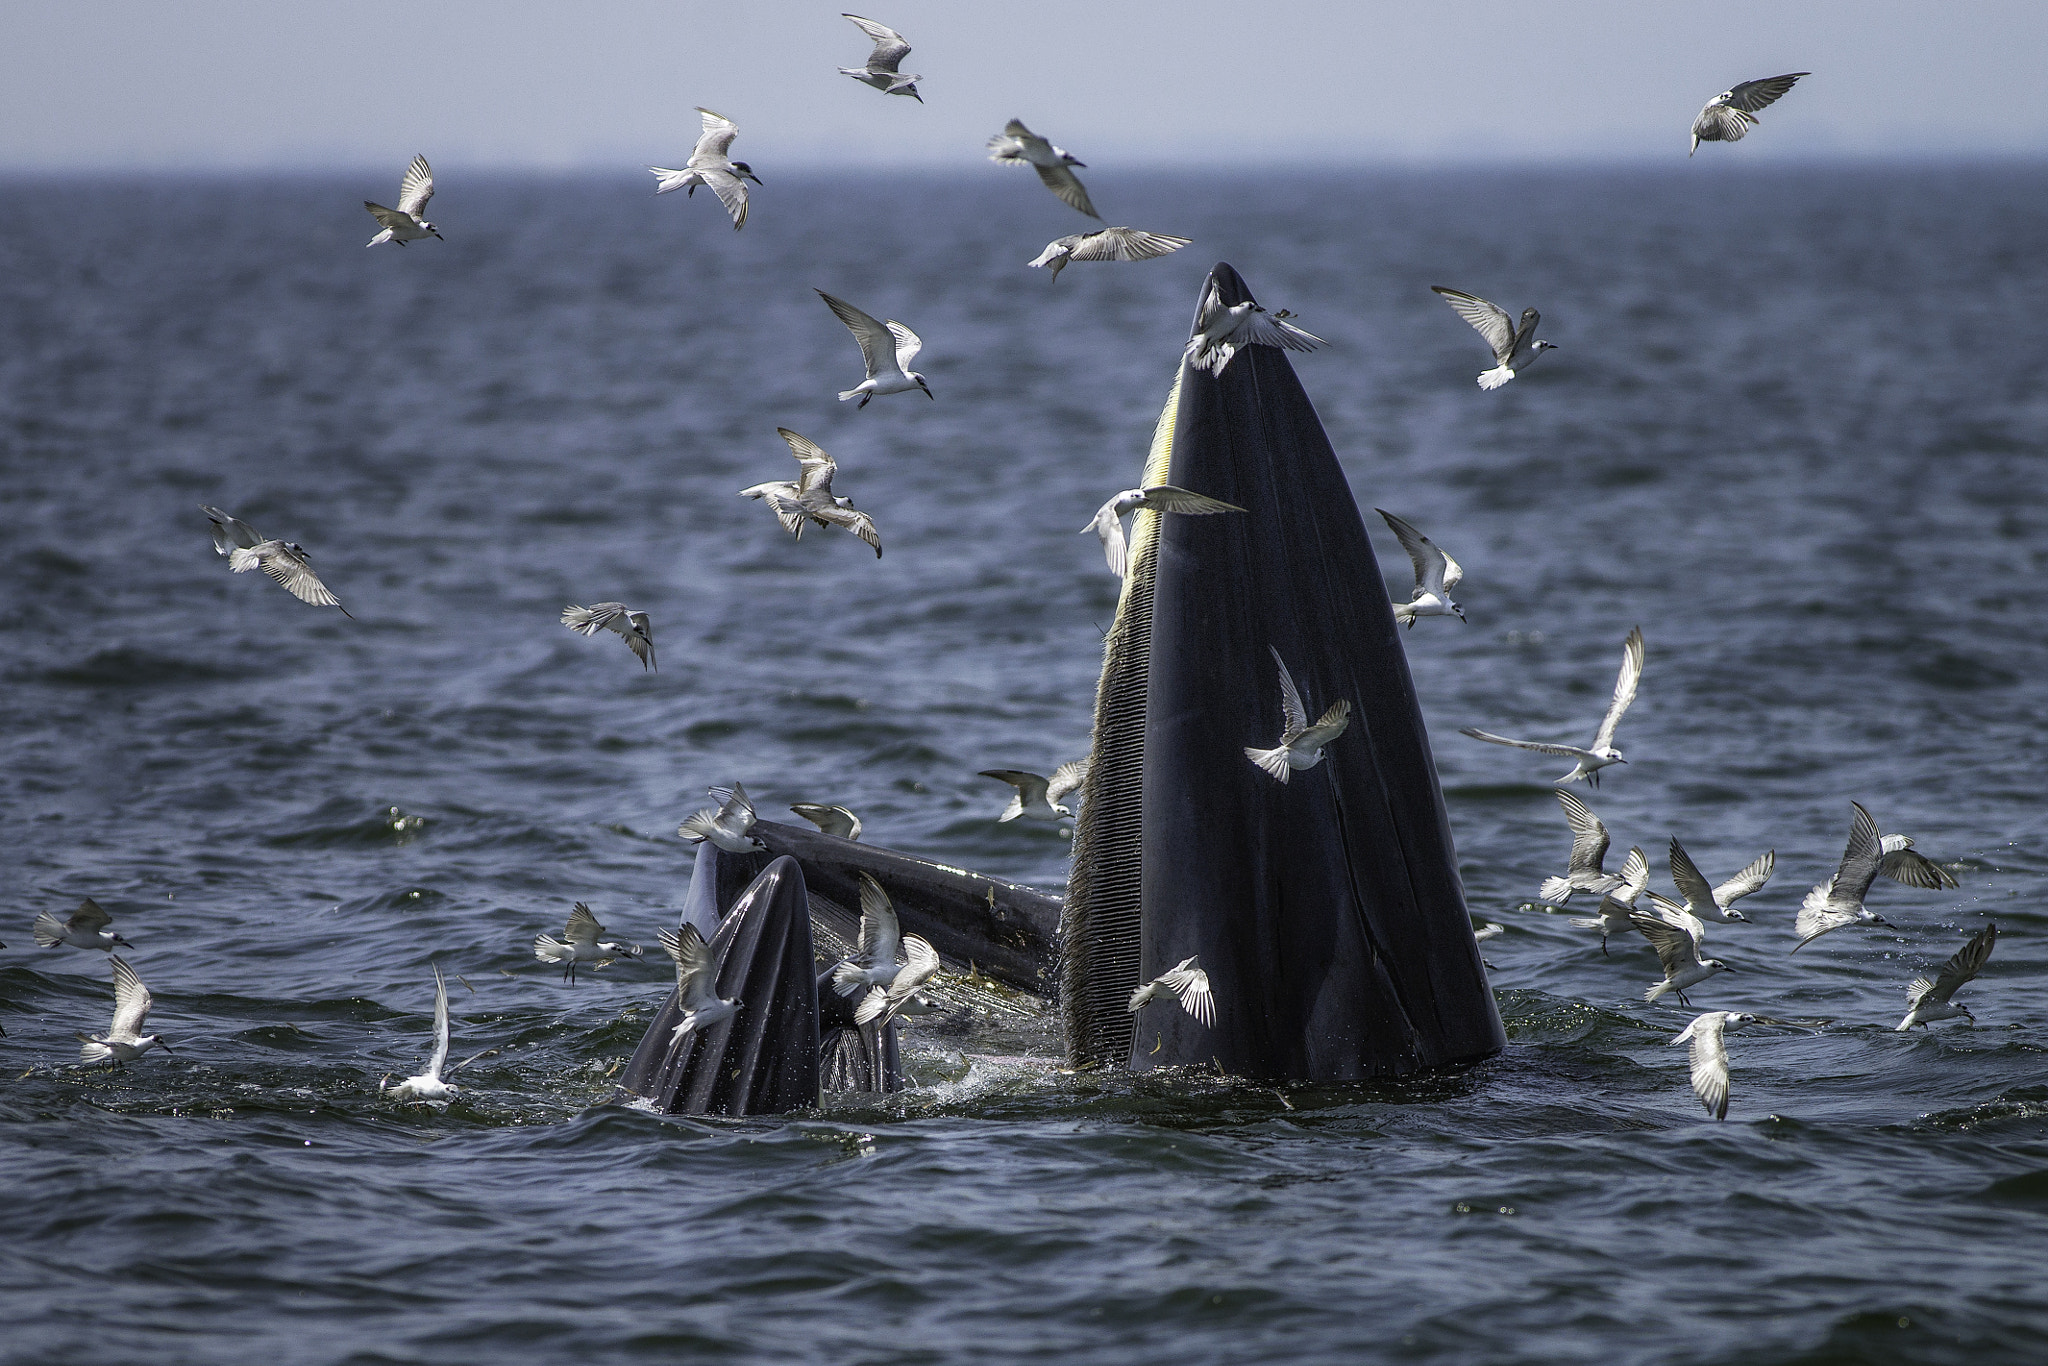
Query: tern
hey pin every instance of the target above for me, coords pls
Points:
(874, 959)
(404, 224)
(1037, 797)
(1928, 1001)
(1701, 897)
(710, 167)
(583, 941)
(428, 1086)
(725, 825)
(84, 928)
(1017, 145)
(1436, 574)
(1727, 116)
(883, 346)
(1109, 518)
(1710, 1057)
(1185, 983)
(632, 627)
(833, 820)
(883, 1004)
(881, 72)
(1107, 244)
(285, 561)
(1583, 870)
(1679, 952)
(1839, 900)
(1618, 903)
(696, 983)
(1301, 745)
(1221, 332)
(1515, 349)
(810, 498)
(1602, 753)
(1901, 864)
(124, 1040)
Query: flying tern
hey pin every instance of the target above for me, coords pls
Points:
(811, 498)
(1679, 953)
(84, 928)
(1839, 900)
(1929, 1000)
(285, 561)
(405, 223)
(726, 825)
(710, 167)
(1221, 331)
(1701, 897)
(634, 628)
(880, 71)
(884, 347)
(1037, 797)
(1728, 116)
(1017, 145)
(1301, 745)
(874, 959)
(1107, 244)
(696, 983)
(1185, 983)
(1109, 518)
(428, 1085)
(1618, 903)
(1436, 574)
(1710, 1057)
(1583, 869)
(583, 941)
(1515, 348)
(124, 1040)
(883, 1004)
(1602, 752)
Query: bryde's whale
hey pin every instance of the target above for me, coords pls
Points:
(1327, 911)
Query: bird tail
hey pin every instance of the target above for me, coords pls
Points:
(1495, 377)
(848, 978)
(1588, 922)
(1274, 761)
(1557, 889)
(580, 619)
(92, 1050)
(848, 394)
(873, 1004)
(551, 950)
(1656, 992)
(48, 930)
(697, 828)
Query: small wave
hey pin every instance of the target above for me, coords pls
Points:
(128, 667)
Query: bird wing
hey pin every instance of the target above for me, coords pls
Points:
(1167, 498)
(1635, 876)
(1491, 320)
(417, 188)
(641, 639)
(228, 528)
(833, 820)
(1110, 529)
(879, 931)
(1292, 713)
(875, 340)
(1263, 329)
(1561, 751)
(297, 577)
(694, 967)
(1674, 944)
(1710, 1062)
(582, 929)
(88, 916)
(1435, 572)
(1066, 778)
(131, 1000)
(441, 1030)
(1966, 963)
(1750, 879)
(1061, 180)
(1685, 875)
(1589, 835)
(716, 139)
(1751, 96)
(734, 804)
(854, 520)
(889, 45)
(594, 618)
(921, 961)
(817, 467)
(731, 192)
(1190, 986)
(1328, 726)
(1123, 244)
(1525, 333)
(1031, 788)
(1860, 861)
(1914, 869)
(908, 344)
(1624, 688)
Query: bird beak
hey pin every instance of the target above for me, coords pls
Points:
(437, 235)
(928, 391)
(164, 1044)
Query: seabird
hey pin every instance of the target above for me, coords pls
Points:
(1221, 332)
(285, 561)
(1839, 900)
(709, 166)
(1700, 897)
(583, 941)
(632, 627)
(1185, 983)
(811, 498)
(1107, 244)
(1515, 349)
(1679, 952)
(1301, 745)
(1727, 116)
(1602, 752)
(1436, 574)
(1928, 1001)
(1618, 903)
(874, 957)
(696, 985)
(885, 348)
(1109, 518)
(725, 825)
(1583, 871)
(124, 1040)
(1037, 797)
(882, 1005)
(84, 928)
(1710, 1057)
(1017, 145)
(881, 72)
(428, 1085)
(833, 820)
(404, 224)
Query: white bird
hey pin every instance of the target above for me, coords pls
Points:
(1901, 864)
(583, 941)
(404, 223)
(1584, 870)
(1679, 952)
(884, 347)
(428, 1086)
(1700, 897)
(696, 983)
(1710, 1057)
(1515, 349)
(1038, 797)
(1017, 145)
(1301, 745)
(1185, 983)
(1727, 116)
(874, 958)
(1602, 752)
(1618, 903)
(1107, 244)
(833, 820)
(1929, 1001)
(1839, 900)
(710, 167)
(84, 928)
(726, 825)
(124, 1040)
(1436, 574)
(881, 72)
(881, 1004)
(635, 628)
(285, 561)
(1109, 518)
(1222, 331)
(1492, 929)
(810, 498)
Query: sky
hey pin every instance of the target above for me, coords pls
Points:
(144, 85)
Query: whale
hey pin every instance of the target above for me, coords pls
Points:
(1327, 911)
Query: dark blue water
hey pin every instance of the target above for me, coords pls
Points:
(1795, 431)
